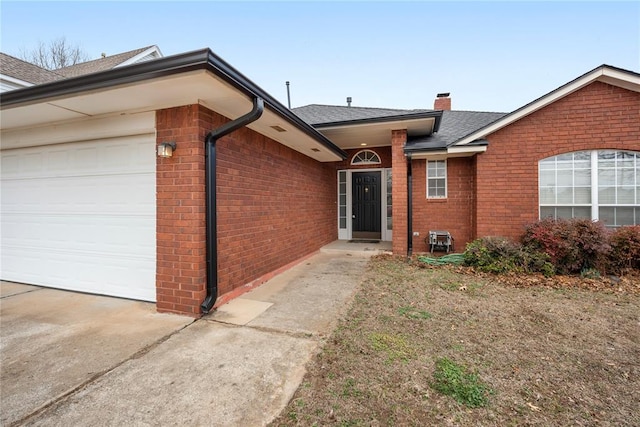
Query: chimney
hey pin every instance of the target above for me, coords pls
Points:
(442, 102)
(348, 101)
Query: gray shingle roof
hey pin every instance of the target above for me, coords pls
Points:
(25, 71)
(454, 126)
(101, 64)
(316, 114)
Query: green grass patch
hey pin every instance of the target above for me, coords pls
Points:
(452, 379)
(396, 346)
(414, 313)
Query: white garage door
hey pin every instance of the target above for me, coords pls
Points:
(81, 216)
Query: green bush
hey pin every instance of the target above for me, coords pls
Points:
(573, 245)
(501, 255)
(625, 249)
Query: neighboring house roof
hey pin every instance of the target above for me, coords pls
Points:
(25, 71)
(109, 62)
(319, 115)
(605, 73)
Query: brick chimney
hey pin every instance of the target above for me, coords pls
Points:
(442, 102)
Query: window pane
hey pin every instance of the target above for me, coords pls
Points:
(547, 195)
(607, 215)
(343, 211)
(624, 216)
(582, 177)
(626, 195)
(343, 222)
(582, 155)
(547, 212)
(606, 177)
(547, 178)
(582, 212)
(626, 177)
(565, 177)
(343, 199)
(564, 212)
(582, 195)
(607, 195)
(565, 195)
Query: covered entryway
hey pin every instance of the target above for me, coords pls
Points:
(81, 216)
(366, 205)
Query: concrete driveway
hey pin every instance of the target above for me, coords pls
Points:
(74, 359)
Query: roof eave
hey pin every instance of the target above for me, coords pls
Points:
(203, 59)
(436, 114)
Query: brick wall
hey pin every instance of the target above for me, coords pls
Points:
(454, 213)
(399, 191)
(598, 116)
(275, 206)
(180, 213)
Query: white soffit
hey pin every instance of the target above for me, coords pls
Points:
(375, 134)
(195, 87)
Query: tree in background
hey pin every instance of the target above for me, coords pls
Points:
(56, 54)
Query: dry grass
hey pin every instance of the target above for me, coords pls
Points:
(564, 356)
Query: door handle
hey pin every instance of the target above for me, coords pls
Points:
(353, 216)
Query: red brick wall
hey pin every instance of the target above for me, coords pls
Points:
(180, 213)
(598, 116)
(399, 191)
(275, 206)
(454, 213)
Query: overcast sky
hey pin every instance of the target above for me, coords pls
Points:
(491, 56)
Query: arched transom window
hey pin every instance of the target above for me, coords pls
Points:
(366, 157)
(600, 185)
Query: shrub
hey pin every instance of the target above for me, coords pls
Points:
(625, 248)
(573, 245)
(501, 255)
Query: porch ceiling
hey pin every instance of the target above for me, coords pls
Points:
(358, 135)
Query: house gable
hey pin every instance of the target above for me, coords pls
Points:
(607, 74)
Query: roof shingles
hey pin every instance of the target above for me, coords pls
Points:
(25, 71)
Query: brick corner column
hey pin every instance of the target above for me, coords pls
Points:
(399, 191)
(180, 213)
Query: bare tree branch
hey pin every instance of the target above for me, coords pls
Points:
(56, 54)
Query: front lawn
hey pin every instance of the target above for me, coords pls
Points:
(441, 346)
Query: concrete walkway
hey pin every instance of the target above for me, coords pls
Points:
(72, 359)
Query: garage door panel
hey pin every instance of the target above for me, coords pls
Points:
(81, 216)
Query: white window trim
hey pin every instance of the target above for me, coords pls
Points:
(446, 184)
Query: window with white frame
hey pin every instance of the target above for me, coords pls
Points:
(600, 185)
(436, 179)
(366, 157)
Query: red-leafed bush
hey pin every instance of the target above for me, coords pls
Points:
(625, 249)
(573, 245)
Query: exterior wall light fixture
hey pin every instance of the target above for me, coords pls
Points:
(166, 149)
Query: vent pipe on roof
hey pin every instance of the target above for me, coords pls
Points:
(348, 101)
(288, 96)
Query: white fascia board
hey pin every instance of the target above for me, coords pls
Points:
(605, 74)
(15, 81)
(450, 152)
(133, 60)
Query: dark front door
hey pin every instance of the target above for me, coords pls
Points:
(365, 196)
